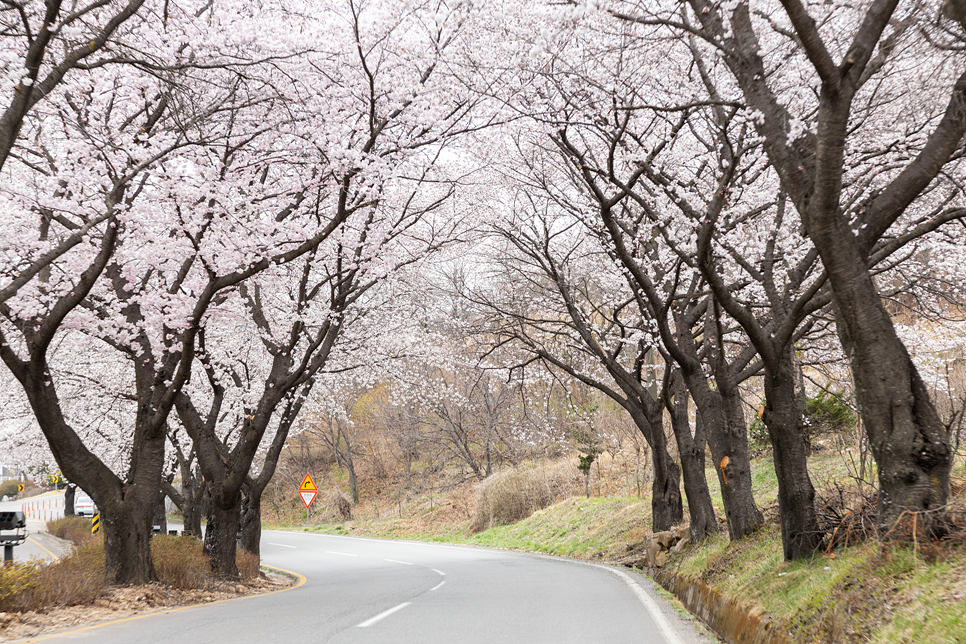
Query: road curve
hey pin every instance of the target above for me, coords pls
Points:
(376, 591)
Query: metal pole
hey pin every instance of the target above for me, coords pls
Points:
(8, 555)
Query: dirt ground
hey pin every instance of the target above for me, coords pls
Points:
(119, 603)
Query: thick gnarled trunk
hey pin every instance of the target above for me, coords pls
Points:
(127, 543)
(910, 444)
(221, 534)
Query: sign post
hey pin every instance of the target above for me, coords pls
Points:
(308, 491)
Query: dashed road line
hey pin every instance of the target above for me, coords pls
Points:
(383, 615)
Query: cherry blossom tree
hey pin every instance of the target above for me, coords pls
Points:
(850, 58)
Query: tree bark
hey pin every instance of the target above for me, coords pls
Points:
(221, 533)
(667, 509)
(720, 413)
(910, 444)
(784, 418)
(704, 523)
(251, 520)
(69, 493)
(160, 517)
(127, 542)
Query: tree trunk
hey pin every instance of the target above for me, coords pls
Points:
(667, 509)
(251, 522)
(729, 449)
(69, 492)
(720, 414)
(910, 444)
(908, 440)
(224, 517)
(691, 448)
(193, 508)
(160, 517)
(127, 540)
(784, 418)
(353, 482)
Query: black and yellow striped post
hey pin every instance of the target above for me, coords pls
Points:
(95, 523)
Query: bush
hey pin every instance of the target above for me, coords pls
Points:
(75, 529)
(825, 414)
(830, 411)
(9, 488)
(180, 562)
(76, 579)
(338, 505)
(515, 494)
(249, 565)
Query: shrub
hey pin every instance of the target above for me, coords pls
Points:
(75, 529)
(249, 564)
(825, 414)
(9, 488)
(515, 494)
(76, 579)
(830, 411)
(338, 505)
(180, 562)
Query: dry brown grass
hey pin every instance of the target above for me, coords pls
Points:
(75, 579)
(180, 562)
(78, 578)
(75, 529)
(514, 494)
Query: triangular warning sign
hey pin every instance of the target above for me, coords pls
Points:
(307, 497)
(308, 484)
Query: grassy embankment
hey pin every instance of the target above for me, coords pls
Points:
(865, 592)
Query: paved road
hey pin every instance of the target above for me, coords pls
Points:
(39, 545)
(373, 591)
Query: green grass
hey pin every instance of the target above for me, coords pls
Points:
(577, 527)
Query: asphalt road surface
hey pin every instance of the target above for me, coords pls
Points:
(39, 545)
(374, 591)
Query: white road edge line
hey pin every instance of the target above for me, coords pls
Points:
(280, 545)
(386, 613)
(650, 605)
(438, 585)
(405, 563)
(439, 572)
(343, 554)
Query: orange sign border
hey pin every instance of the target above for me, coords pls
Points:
(311, 483)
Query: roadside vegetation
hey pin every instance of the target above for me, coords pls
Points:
(858, 589)
(78, 578)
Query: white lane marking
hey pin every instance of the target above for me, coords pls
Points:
(438, 585)
(650, 605)
(280, 545)
(384, 614)
(440, 572)
(344, 554)
(405, 563)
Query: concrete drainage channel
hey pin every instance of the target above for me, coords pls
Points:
(733, 620)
